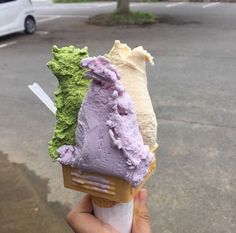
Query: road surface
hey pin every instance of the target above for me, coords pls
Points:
(193, 90)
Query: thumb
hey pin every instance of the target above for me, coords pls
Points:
(141, 222)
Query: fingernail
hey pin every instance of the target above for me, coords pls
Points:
(142, 196)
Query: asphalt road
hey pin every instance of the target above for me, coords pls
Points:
(193, 90)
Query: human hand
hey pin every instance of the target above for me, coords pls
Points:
(81, 219)
(141, 221)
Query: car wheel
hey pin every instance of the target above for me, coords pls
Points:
(30, 25)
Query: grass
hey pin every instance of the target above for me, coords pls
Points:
(132, 18)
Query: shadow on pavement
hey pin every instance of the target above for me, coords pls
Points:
(24, 206)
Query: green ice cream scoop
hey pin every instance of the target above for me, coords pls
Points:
(69, 94)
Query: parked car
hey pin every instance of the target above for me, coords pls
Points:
(16, 16)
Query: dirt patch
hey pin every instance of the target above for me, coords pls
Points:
(165, 19)
(116, 19)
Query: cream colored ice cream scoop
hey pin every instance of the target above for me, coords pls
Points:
(132, 67)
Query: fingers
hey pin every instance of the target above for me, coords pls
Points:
(81, 220)
(84, 205)
(141, 222)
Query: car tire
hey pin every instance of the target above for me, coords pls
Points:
(30, 25)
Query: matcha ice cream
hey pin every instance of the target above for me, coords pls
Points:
(69, 94)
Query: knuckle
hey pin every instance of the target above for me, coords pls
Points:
(144, 215)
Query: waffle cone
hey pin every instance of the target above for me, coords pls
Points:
(112, 189)
(103, 203)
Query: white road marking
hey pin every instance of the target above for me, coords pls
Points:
(62, 7)
(60, 16)
(139, 4)
(41, 33)
(48, 19)
(75, 16)
(210, 4)
(7, 44)
(104, 4)
(73, 6)
(175, 4)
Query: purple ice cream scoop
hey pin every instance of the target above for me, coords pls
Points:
(108, 140)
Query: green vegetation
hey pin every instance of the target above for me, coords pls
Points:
(131, 18)
(69, 94)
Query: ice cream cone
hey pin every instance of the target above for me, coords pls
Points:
(103, 203)
(110, 157)
(102, 186)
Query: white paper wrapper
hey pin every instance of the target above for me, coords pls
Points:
(120, 216)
